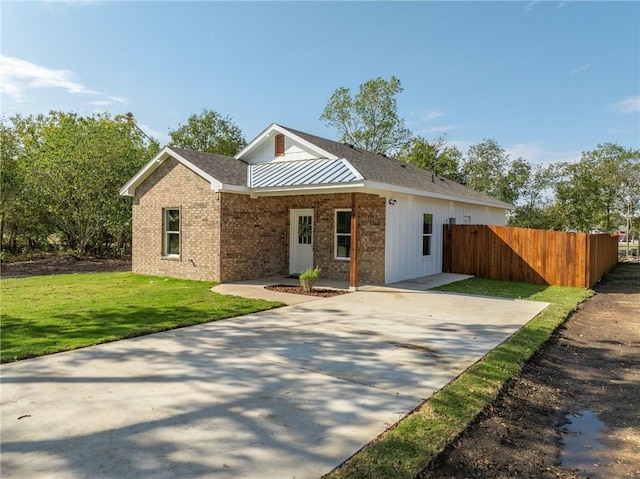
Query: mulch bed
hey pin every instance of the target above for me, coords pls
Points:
(320, 292)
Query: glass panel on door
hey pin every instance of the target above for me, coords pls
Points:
(305, 229)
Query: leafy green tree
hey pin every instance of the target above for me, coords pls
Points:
(9, 186)
(597, 191)
(369, 119)
(536, 208)
(437, 157)
(489, 169)
(209, 132)
(71, 169)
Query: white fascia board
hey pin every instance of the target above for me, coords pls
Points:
(224, 188)
(129, 189)
(306, 143)
(255, 142)
(353, 169)
(306, 189)
(377, 187)
(261, 138)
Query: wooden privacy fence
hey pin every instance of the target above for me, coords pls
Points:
(533, 256)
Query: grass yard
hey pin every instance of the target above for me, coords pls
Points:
(48, 314)
(406, 449)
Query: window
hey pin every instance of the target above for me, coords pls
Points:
(427, 233)
(466, 220)
(305, 229)
(343, 234)
(280, 145)
(171, 232)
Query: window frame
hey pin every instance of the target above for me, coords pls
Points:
(428, 235)
(336, 234)
(166, 233)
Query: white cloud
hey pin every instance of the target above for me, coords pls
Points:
(162, 138)
(109, 101)
(630, 104)
(441, 129)
(535, 152)
(426, 115)
(17, 76)
(100, 102)
(548, 5)
(579, 69)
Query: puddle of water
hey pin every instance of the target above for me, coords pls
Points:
(582, 443)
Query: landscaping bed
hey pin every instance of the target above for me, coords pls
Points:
(320, 292)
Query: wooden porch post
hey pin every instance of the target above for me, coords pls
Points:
(353, 272)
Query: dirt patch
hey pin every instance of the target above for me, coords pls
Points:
(320, 292)
(591, 366)
(62, 264)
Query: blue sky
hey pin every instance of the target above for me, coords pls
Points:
(547, 80)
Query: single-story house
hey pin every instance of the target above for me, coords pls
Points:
(290, 200)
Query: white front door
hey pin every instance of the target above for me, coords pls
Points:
(301, 241)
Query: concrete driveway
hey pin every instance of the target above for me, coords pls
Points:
(286, 393)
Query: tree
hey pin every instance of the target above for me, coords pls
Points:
(599, 190)
(369, 120)
(437, 157)
(489, 169)
(9, 186)
(536, 208)
(209, 132)
(71, 169)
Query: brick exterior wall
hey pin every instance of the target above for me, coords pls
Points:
(173, 185)
(254, 236)
(231, 237)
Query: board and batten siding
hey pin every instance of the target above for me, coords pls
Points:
(293, 151)
(403, 251)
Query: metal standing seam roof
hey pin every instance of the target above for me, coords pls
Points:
(302, 172)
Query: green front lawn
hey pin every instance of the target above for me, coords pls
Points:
(406, 449)
(49, 314)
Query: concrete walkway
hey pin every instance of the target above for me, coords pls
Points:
(285, 393)
(255, 288)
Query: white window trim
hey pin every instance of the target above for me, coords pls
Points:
(423, 235)
(166, 233)
(336, 234)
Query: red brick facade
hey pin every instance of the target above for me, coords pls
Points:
(231, 237)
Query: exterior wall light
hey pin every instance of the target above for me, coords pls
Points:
(392, 201)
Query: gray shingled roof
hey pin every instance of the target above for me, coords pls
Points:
(382, 169)
(372, 166)
(226, 170)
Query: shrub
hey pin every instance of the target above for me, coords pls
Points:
(309, 277)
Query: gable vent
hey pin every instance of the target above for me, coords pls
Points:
(279, 140)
